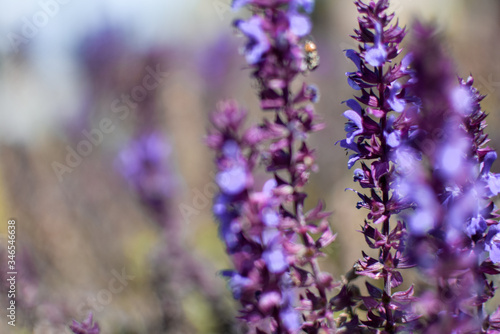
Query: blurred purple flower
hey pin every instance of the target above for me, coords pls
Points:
(250, 227)
(233, 180)
(453, 208)
(493, 244)
(258, 42)
(144, 164)
(85, 327)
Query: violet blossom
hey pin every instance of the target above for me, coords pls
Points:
(250, 225)
(144, 163)
(280, 235)
(286, 25)
(373, 132)
(448, 185)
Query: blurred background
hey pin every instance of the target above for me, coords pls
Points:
(103, 108)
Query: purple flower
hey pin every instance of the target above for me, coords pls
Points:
(494, 248)
(397, 104)
(452, 209)
(299, 24)
(270, 217)
(273, 229)
(250, 226)
(85, 327)
(354, 126)
(291, 318)
(258, 42)
(493, 181)
(377, 54)
(392, 137)
(237, 4)
(354, 56)
(239, 284)
(307, 5)
(144, 164)
(373, 134)
(233, 180)
(476, 225)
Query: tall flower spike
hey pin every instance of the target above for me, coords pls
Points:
(278, 51)
(446, 179)
(374, 131)
(251, 228)
(481, 227)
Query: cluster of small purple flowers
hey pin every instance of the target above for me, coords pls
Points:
(447, 177)
(267, 233)
(250, 227)
(418, 135)
(373, 133)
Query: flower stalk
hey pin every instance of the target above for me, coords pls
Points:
(373, 133)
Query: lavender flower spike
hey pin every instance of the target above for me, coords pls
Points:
(447, 183)
(373, 132)
(276, 61)
(85, 327)
(252, 228)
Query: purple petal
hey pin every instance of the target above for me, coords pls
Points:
(354, 126)
(407, 60)
(476, 225)
(352, 83)
(354, 56)
(237, 4)
(233, 180)
(259, 42)
(231, 149)
(238, 283)
(307, 5)
(270, 217)
(290, 318)
(220, 205)
(396, 104)
(352, 160)
(461, 100)
(228, 230)
(493, 245)
(354, 105)
(494, 183)
(359, 174)
(392, 139)
(269, 186)
(269, 300)
(275, 260)
(354, 117)
(349, 146)
(300, 25)
(452, 158)
(421, 222)
(270, 236)
(488, 161)
(376, 56)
